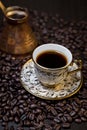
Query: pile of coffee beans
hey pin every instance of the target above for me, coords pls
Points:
(26, 111)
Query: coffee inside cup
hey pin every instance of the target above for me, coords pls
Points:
(51, 59)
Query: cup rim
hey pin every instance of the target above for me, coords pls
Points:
(52, 69)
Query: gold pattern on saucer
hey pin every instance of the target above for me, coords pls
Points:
(67, 88)
(59, 86)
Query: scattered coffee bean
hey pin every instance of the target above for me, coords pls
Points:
(57, 127)
(20, 128)
(23, 117)
(83, 118)
(78, 120)
(72, 113)
(53, 111)
(16, 119)
(27, 123)
(66, 125)
(57, 120)
(5, 118)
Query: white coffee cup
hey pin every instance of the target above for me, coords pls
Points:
(52, 75)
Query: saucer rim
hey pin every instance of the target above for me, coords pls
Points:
(56, 98)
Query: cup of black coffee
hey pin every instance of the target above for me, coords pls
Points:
(51, 62)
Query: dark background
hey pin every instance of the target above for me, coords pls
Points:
(67, 9)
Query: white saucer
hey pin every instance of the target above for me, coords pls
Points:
(67, 88)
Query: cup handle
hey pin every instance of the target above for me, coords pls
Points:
(79, 63)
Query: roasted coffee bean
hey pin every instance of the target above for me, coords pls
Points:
(43, 103)
(40, 118)
(68, 107)
(59, 109)
(13, 102)
(57, 120)
(57, 127)
(53, 111)
(7, 107)
(83, 118)
(60, 104)
(15, 109)
(26, 123)
(3, 104)
(66, 125)
(16, 119)
(7, 113)
(21, 110)
(31, 116)
(39, 125)
(38, 111)
(81, 112)
(11, 118)
(60, 115)
(25, 96)
(5, 118)
(20, 128)
(23, 117)
(19, 97)
(63, 119)
(72, 113)
(33, 106)
(5, 124)
(69, 118)
(78, 120)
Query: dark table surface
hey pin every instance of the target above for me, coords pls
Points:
(63, 23)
